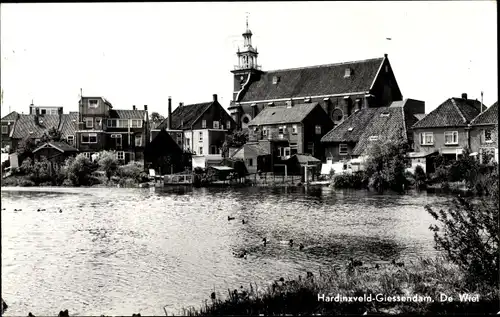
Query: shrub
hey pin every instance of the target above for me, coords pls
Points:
(356, 180)
(79, 169)
(420, 177)
(26, 167)
(468, 234)
(108, 163)
(133, 171)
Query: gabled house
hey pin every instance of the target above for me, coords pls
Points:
(7, 123)
(353, 137)
(293, 129)
(446, 129)
(55, 152)
(33, 126)
(164, 155)
(199, 128)
(339, 88)
(255, 156)
(484, 134)
(100, 127)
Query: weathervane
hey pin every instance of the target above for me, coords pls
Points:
(248, 13)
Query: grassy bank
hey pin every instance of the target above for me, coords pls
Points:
(300, 296)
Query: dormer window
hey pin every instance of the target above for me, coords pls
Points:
(307, 99)
(374, 138)
(93, 103)
(385, 114)
(276, 79)
(347, 72)
(350, 129)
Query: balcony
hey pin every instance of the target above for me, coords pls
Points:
(240, 67)
(271, 136)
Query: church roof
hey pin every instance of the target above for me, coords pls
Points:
(278, 115)
(314, 81)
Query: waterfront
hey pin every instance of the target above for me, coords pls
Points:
(120, 251)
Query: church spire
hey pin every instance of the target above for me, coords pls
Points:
(247, 57)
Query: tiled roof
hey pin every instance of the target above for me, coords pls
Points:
(451, 113)
(489, 116)
(305, 159)
(351, 129)
(250, 150)
(386, 124)
(186, 114)
(26, 124)
(68, 126)
(127, 114)
(63, 147)
(314, 81)
(277, 115)
(11, 116)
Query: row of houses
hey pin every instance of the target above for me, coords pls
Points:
(330, 112)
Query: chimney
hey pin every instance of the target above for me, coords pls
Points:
(134, 108)
(145, 107)
(215, 97)
(464, 96)
(181, 104)
(254, 110)
(385, 55)
(169, 118)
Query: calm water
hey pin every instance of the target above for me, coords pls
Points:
(121, 251)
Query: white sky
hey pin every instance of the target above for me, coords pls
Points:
(141, 53)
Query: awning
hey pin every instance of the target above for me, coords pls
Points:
(454, 151)
(222, 168)
(421, 154)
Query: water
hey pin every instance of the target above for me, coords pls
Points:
(122, 251)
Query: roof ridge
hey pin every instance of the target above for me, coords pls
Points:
(326, 65)
(459, 111)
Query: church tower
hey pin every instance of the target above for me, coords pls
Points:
(246, 72)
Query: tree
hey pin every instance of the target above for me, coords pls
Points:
(25, 148)
(235, 139)
(108, 163)
(468, 233)
(156, 117)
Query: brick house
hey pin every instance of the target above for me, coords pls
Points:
(484, 133)
(284, 131)
(353, 137)
(198, 128)
(446, 130)
(339, 88)
(100, 127)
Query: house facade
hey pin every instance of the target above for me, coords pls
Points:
(100, 127)
(284, 131)
(484, 134)
(198, 128)
(339, 89)
(446, 130)
(353, 137)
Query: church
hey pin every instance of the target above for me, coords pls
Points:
(341, 88)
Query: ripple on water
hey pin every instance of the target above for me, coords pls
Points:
(174, 246)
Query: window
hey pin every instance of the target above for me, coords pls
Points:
(5, 129)
(294, 129)
(93, 103)
(451, 137)
(118, 138)
(88, 155)
(264, 131)
(89, 122)
(282, 129)
(123, 123)
(250, 162)
(201, 136)
(120, 156)
(374, 138)
(136, 123)
(213, 149)
(89, 138)
(347, 72)
(98, 122)
(487, 136)
(216, 124)
(317, 129)
(70, 139)
(337, 116)
(43, 111)
(53, 111)
(201, 150)
(203, 124)
(138, 140)
(426, 138)
(112, 123)
(187, 141)
(343, 149)
(228, 124)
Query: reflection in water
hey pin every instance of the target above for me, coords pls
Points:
(117, 251)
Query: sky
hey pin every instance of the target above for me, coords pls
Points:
(141, 53)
